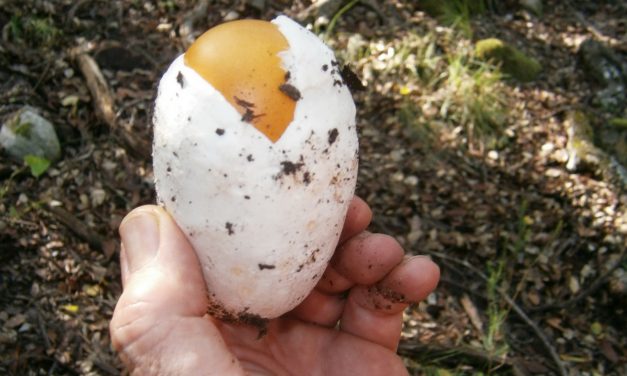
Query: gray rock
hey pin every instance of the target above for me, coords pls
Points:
(600, 151)
(608, 71)
(26, 132)
(612, 138)
(601, 63)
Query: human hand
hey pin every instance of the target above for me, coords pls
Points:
(160, 324)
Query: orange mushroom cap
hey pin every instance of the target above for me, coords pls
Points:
(240, 60)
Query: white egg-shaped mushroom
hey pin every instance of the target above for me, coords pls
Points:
(261, 190)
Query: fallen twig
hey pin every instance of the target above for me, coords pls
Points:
(105, 366)
(515, 307)
(98, 87)
(104, 105)
(42, 327)
(77, 226)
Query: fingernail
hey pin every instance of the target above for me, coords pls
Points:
(140, 237)
(420, 257)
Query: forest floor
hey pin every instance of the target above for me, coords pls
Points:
(532, 254)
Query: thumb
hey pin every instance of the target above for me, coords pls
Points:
(158, 325)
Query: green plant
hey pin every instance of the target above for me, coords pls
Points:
(423, 51)
(7, 186)
(457, 15)
(336, 17)
(467, 91)
(493, 340)
(34, 30)
(408, 116)
(4, 188)
(523, 233)
(430, 364)
(23, 129)
(471, 95)
(168, 5)
(15, 26)
(37, 165)
(620, 123)
(437, 79)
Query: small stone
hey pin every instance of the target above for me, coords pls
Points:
(569, 334)
(24, 328)
(22, 199)
(35, 289)
(26, 132)
(83, 201)
(411, 180)
(553, 173)
(397, 155)
(573, 285)
(605, 68)
(600, 63)
(231, 16)
(398, 177)
(98, 196)
(109, 165)
(548, 147)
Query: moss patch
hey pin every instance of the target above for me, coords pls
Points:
(513, 61)
(22, 129)
(34, 31)
(620, 123)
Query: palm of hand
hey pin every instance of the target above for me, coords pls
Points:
(160, 326)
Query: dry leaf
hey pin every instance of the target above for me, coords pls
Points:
(70, 308)
(533, 297)
(608, 351)
(472, 312)
(15, 321)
